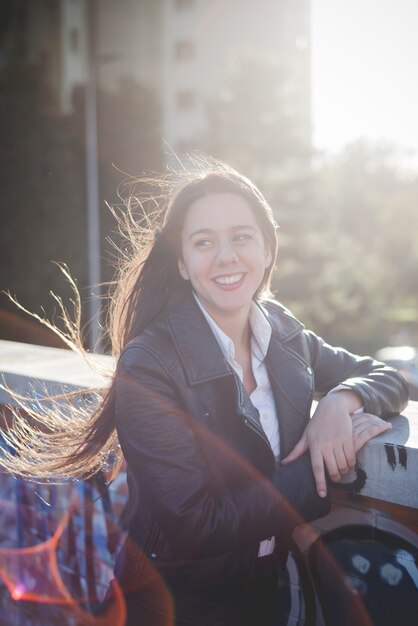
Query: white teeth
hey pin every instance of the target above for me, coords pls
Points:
(229, 280)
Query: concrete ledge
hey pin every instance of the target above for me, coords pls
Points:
(387, 467)
(31, 370)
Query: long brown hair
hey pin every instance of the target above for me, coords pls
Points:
(80, 444)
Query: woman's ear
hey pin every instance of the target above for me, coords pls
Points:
(267, 256)
(182, 269)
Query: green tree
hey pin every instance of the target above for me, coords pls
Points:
(252, 121)
(350, 271)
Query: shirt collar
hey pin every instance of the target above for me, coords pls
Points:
(261, 331)
(260, 328)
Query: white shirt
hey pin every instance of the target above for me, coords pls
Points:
(262, 396)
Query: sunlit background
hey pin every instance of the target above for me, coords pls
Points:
(364, 64)
(315, 100)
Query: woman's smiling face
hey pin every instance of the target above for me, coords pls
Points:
(224, 254)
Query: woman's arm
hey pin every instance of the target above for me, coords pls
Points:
(165, 449)
(381, 389)
(329, 436)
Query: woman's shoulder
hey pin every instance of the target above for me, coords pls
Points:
(275, 306)
(281, 318)
(153, 348)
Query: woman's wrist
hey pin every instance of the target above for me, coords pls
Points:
(345, 398)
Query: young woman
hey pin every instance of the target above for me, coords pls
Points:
(211, 403)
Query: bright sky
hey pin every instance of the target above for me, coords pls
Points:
(365, 71)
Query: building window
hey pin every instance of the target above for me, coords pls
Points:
(185, 50)
(185, 100)
(182, 5)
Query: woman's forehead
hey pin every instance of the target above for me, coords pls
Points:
(214, 210)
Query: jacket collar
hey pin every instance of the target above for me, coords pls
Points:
(198, 348)
(260, 331)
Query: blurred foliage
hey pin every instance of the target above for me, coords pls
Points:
(350, 267)
(253, 122)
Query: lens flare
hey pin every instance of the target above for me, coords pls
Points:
(64, 577)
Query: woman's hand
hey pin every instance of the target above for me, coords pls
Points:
(329, 437)
(365, 427)
(334, 435)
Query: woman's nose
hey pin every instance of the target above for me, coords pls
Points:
(226, 253)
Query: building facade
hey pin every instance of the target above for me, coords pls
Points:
(184, 50)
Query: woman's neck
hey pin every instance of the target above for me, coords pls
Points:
(238, 329)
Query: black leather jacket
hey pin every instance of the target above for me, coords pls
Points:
(204, 485)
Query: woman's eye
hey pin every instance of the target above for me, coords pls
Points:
(242, 237)
(203, 243)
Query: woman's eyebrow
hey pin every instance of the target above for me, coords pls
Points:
(200, 231)
(244, 227)
(205, 231)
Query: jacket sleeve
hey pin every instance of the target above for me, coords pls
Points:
(382, 389)
(165, 451)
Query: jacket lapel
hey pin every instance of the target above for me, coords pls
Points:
(290, 377)
(202, 357)
(195, 342)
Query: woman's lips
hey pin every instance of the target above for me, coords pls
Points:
(230, 281)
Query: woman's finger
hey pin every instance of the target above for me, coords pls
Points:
(363, 418)
(350, 452)
(341, 460)
(363, 432)
(318, 470)
(332, 465)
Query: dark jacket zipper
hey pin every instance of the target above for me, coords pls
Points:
(248, 421)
